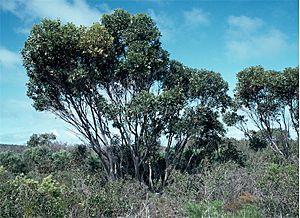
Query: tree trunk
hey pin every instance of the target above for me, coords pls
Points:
(136, 167)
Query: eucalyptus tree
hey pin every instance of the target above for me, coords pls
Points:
(269, 99)
(286, 90)
(115, 84)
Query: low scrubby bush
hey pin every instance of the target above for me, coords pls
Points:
(228, 181)
(216, 209)
(217, 187)
(280, 190)
(61, 160)
(38, 159)
(83, 196)
(25, 197)
(12, 161)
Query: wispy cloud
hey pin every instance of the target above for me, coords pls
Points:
(169, 26)
(243, 23)
(77, 11)
(196, 16)
(9, 5)
(164, 22)
(251, 38)
(9, 59)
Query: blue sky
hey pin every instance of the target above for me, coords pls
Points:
(223, 36)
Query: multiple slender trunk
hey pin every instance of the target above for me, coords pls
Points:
(140, 136)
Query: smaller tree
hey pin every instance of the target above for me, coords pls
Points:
(44, 139)
(269, 100)
(286, 90)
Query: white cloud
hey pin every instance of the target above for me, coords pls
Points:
(196, 17)
(76, 11)
(244, 23)
(9, 59)
(251, 38)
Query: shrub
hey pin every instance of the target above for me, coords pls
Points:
(30, 198)
(12, 162)
(229, 152)
(60, 159)
(84, 197)
(215, 209)
(45, 160)
(257, 143)
(279, 185)
(183, 188)
(228, 181)
(86, 159)
(2, 170)
(113, 199)
(209, 209)
(39, 159)
(4, 176)
(93, 163)
(87, 195)
(44, 139)
(235, 205)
